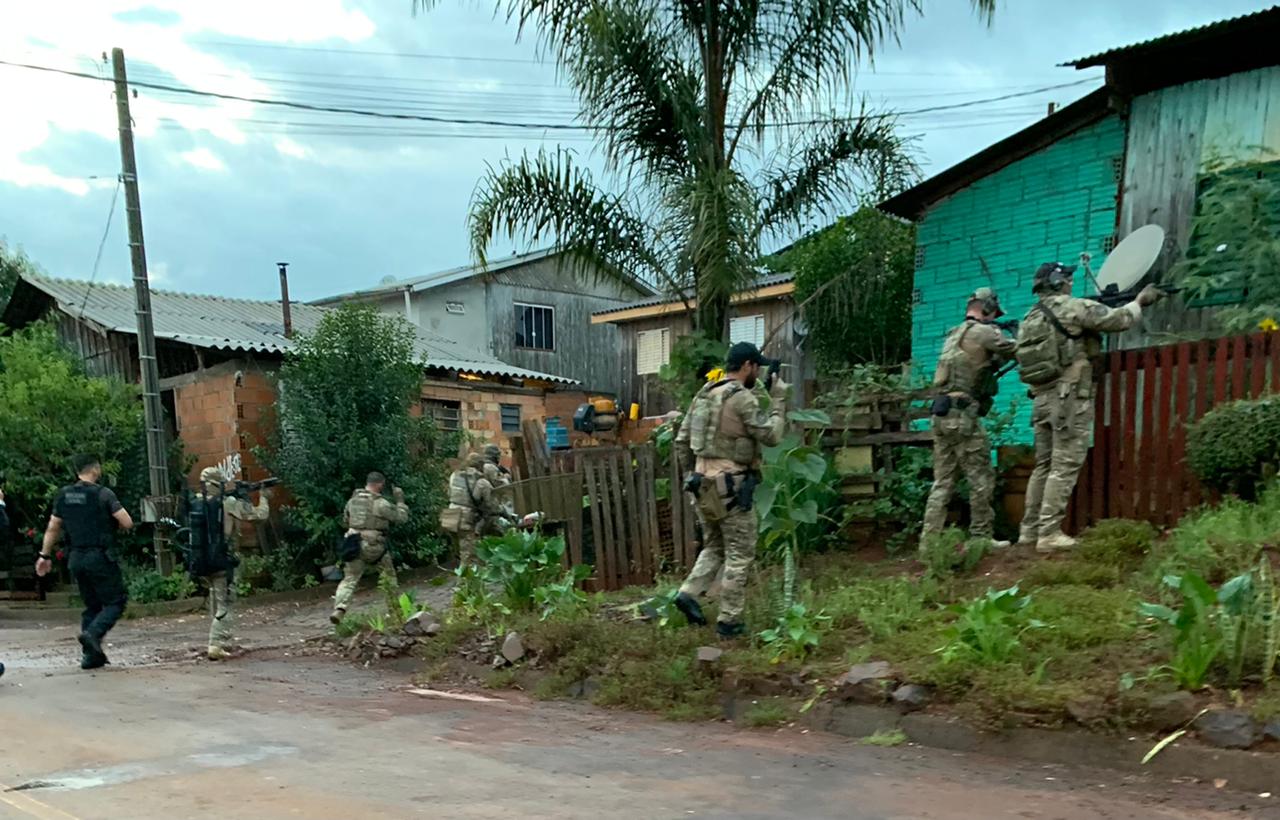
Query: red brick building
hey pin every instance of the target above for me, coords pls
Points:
(218, 359)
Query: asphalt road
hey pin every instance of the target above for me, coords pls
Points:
(278, 734)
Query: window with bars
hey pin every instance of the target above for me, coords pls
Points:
(535, 327)
(653, 350)
(510, 417)
(446, 414)
(747, 329)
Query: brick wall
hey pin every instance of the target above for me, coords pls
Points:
(481, 410)
(223, 411)
(1048, 206)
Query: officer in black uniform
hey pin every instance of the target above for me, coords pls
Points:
(86, 513)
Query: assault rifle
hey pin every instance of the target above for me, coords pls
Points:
(244, 488)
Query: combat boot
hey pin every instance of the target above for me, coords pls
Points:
(217, 653)
(336, 616)
(1027, 539)
(691, 609)
(730, 631)
(1058, 542)
(93, 657)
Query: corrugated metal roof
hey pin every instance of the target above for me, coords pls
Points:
(244, 324)
(764, 281)
(1214, 29)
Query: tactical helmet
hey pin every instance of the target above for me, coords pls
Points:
(212, 475)
(475, 460)
(492, 452)
(990, 301)
(1051, 276)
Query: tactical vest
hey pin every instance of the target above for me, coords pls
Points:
(706, 417)
(85, 519)
(360, 515)
(462, 485)
(1045, 347)
(957, 370)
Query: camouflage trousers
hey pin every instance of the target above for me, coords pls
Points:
(961, 446)
(729, 544)
(1062, 425)
(222, 599)
(465, 541)
(371, 552)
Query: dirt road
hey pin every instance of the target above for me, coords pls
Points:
(275, 735)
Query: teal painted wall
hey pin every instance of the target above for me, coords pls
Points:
(1048, 206)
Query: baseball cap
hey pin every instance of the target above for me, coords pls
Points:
(741, 353)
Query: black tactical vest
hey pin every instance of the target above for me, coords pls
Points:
(208, 553)
(86, 520)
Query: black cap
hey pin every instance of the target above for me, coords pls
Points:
(1048, 271)
(741, 353)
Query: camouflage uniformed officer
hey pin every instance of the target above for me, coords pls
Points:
(965, 374)
(1056, 344)
(720, 439)
(221, 514)
(369, 515)
(499, 477)
(473, 511)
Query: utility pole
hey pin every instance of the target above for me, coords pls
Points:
(284, 299)
(153, 413)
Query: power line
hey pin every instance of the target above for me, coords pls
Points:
(102, 243)
(304, 106)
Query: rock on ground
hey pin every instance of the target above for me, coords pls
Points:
(1228, 728)
(865, 682)
(512, 647)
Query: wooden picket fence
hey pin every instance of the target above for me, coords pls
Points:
(617, 532)
(1136, 467)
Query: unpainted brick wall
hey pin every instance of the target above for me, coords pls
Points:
(1046, 207)
(481, 410)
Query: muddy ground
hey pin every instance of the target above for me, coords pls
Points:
(286, 731)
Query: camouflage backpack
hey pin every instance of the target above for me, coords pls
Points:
(1044, 347)
(704, 416)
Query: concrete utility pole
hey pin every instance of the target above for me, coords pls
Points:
(153, 413)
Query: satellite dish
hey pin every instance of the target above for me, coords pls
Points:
(1129, 261)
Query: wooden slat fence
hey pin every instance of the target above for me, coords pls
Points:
(617, 533)
(1136, 467)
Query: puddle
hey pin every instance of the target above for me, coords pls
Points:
(226, 758)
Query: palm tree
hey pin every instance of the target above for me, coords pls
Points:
(721, 123)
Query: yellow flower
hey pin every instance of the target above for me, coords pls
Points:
(715, 374)
(1268, 325)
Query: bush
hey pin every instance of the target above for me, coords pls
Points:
(347, 391)
(146, 586)
(949, 552)
(1117, 543)
(1219, 542)
(528, 569)
(1234, 446)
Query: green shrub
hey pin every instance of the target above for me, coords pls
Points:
(527, 568)
(949, 553)
(1219, 542)
(1234, 446)
(1118, 543)
(146, 586)
(797, 632)
(989, 628)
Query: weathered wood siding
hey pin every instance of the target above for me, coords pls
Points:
(1171, 133)
(648, 391)
(583, 351)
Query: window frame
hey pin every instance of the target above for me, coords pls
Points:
(503, 407)
(665, 344)
(518, 321)
(755, 318)
(456, 406)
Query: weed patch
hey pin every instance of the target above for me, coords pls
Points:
(771, 712)
(885, 737)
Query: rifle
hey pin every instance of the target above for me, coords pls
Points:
(1008, 325)
(1111, 295)
(244, 488)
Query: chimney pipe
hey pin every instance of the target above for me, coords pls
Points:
(1053, 106)
(284, 299)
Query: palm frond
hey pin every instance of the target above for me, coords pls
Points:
(832, 163)
(549, 198)
(633, 85)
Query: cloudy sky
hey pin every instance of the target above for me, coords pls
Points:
(229, 188)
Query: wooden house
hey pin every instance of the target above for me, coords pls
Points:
(1133, 152)
(765, 315)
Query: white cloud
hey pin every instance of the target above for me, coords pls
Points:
(203, 158)
(293, 149)
(72, 35)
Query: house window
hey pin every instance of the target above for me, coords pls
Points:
(447, 415)
(510, 418)
(653, 350)
(747, 329)
(535, 327)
